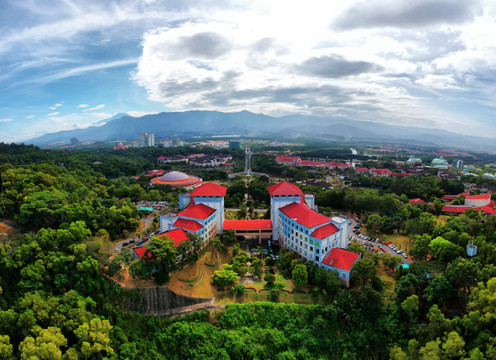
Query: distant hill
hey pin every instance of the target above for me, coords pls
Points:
(206, 123)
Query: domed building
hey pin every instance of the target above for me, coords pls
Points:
(440, 163)
(177, 179)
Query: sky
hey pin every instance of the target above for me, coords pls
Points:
(71, 64)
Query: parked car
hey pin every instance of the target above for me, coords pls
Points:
(404, 255)
(139, 242)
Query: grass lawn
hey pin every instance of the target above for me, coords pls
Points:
(401, 241)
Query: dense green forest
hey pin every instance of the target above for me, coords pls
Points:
(56, 301)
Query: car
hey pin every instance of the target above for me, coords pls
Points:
(376, 251)
(399, 251)
(132, 241)
(404, 255)
(116, 249)
(139, 242)
(383, 250)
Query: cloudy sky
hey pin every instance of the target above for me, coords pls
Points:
(69, 64)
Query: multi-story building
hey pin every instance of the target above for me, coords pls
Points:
(458, 164)
(146, 139)
(296, 225)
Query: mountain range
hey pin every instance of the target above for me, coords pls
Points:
(207, 123)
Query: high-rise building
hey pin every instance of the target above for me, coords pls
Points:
(458, 164)
(234, 144)
(146, 139)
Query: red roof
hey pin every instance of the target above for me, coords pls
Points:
(479, 197)
(308, 163)
(197, 211)
(303, 215)
(287, 159)
(247, 224)
(284, 188)
(324, 231)
(340, 259)
(359, 169)
(140, 251)
(489, 209)
(416, 200)
(176, 235)
(188, 224)
(453, 197)
(380, 171)
(209, 189)
(456, 208)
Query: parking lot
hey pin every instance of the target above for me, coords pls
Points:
(374, 245)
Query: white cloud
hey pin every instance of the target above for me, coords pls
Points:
(53, 114)
(57, 105)
(82, 106)
(392, 73)
(5, 120)
(52, 107)
(30, 117)
(98, 107)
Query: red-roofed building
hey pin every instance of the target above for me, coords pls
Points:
(209, 189)
(324, 231)
(455, 209)
(197, 211)
(288, 160)
(478, 200)
(416, 200)
(176, 235)
(303, 215)
(284, 188)
(380, 172)
(342, 261)
(359, 170)
(138, 252)
(186, 224)
(261, 229)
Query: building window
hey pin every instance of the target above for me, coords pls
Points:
(311, 248)
(311, 241)
(317, 244)
(317, 258)
(317, 251)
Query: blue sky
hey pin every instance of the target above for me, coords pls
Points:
(69, 64)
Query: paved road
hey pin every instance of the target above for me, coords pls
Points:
(118, 245)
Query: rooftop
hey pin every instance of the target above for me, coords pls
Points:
(247, 225)
(284, 188)
(340, 259)
(197, 211)
(186, 224)
(324, 231)
(176, 235)
(303, 215)
(209, 189)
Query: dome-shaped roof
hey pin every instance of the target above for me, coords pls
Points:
(174, 176)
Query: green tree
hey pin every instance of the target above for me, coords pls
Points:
(228, 238)
(225, 276)
(300, 274)
(364, 270)
(270, 278)
(94, 338)
(438, 291)
(161, 255)
(420, 248)
(45, 345)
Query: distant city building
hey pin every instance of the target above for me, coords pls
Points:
(489, 176)
(146, 139)
(440, 163)
(380, 172)
(177, 179)
(235, 145)
(413, 161)
(176, 142)
(121, 146)
(458, 164)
